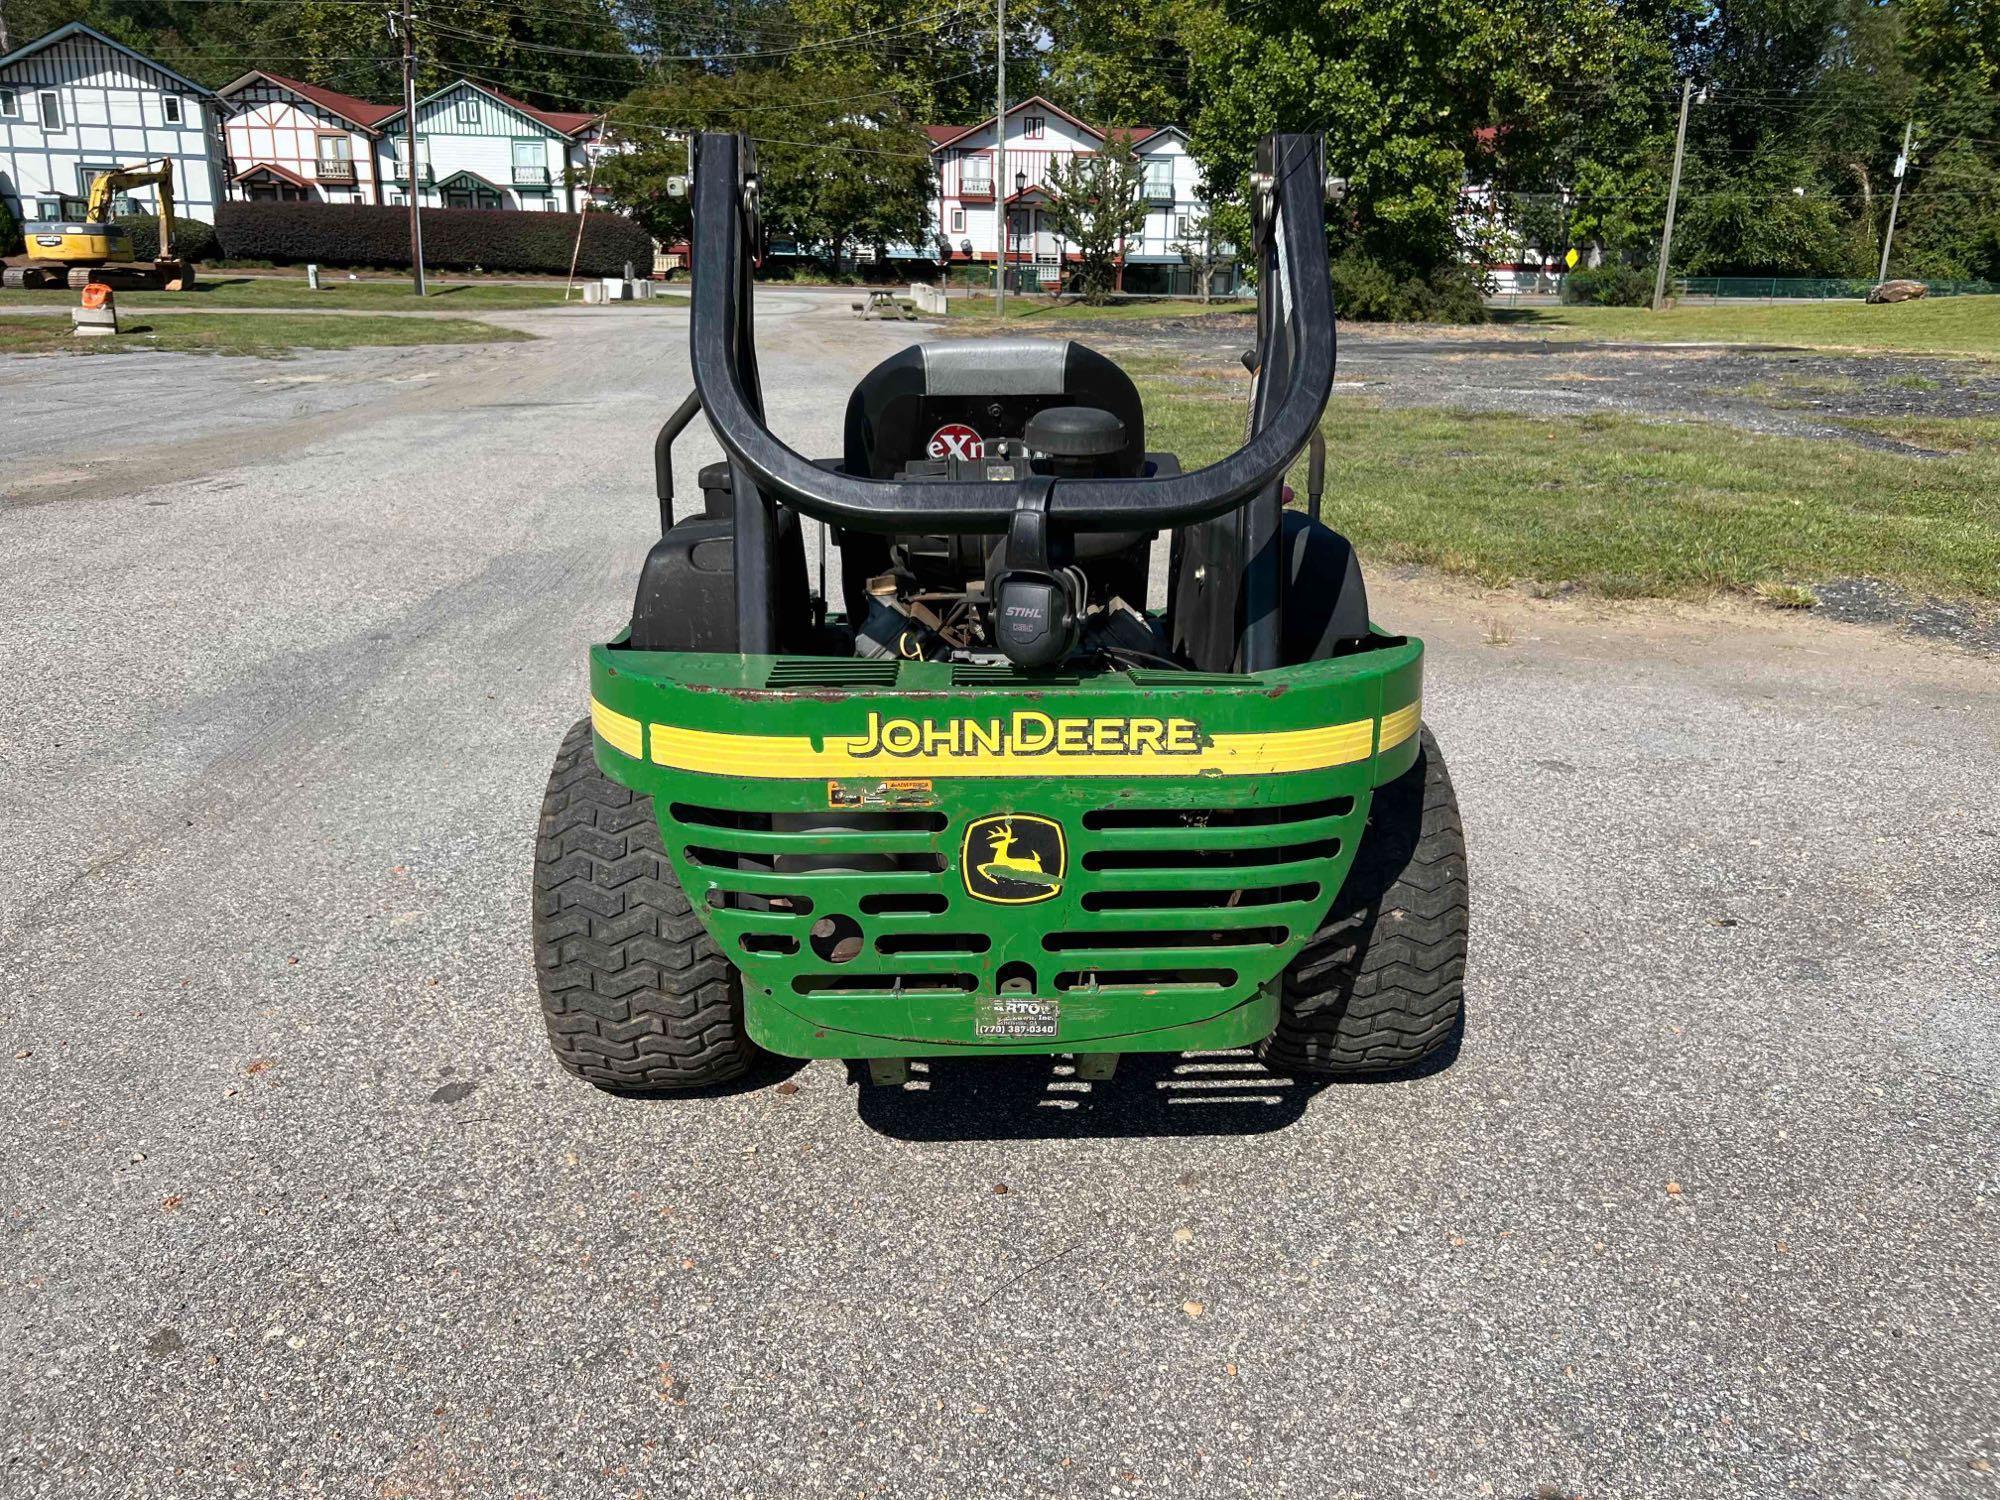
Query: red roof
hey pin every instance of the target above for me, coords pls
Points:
(360, 111)
(562, 121)
(274, 170)
(944, 135)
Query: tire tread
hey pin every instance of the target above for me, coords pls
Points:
(1381, 984)
(635, 995)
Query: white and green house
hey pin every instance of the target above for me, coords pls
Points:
(478, 148)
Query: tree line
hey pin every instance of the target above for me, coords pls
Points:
(1562, 112)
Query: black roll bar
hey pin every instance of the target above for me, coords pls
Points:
(1295, 377)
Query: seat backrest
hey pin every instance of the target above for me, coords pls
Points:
(934, 393)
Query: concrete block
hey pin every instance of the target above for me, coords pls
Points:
(94, 322)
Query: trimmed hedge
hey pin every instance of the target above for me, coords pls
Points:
(191, 239)
(455, 239)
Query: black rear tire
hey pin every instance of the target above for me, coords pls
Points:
(1381, 984)
(637, 997)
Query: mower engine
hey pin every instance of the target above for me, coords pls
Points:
(1015, 597)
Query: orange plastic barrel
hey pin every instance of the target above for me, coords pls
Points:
(96, 294)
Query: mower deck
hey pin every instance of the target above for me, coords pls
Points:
(925, 858)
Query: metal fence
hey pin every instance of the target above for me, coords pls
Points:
(1808, 288)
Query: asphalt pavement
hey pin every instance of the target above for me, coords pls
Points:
(295, 1201)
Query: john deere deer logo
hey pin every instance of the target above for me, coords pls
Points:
(1013, 858)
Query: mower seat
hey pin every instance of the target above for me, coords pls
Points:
(990, 386)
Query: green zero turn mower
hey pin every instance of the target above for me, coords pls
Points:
(994, 803)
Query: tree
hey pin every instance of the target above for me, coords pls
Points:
(1095, 203)
(1117, 61)
(838, 162)
(1398, 86)
(1202, 253)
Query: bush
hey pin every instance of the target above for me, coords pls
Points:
(455, 239)
(10, 232)
(191, 239)
(1608, 286)
(1370, 290)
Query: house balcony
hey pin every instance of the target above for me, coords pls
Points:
(399, 174)
(978, 190)
(335, 171)
(531, 177)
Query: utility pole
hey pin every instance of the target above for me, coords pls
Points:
(1673, 198)
(1000, 162)
(410, 149)
(1902, 166)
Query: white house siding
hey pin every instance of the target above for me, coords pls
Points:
(962, 216)
(1037, 138)
(112, 112)
(274, 127)
(482, 145)
(1171, 212)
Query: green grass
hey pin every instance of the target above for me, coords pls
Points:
(290, 291)
(1948, 325)
(1027, 305)
(1623, 507)
(1940, 434)
(266, 337)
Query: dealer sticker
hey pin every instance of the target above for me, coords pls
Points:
(1015, 1017)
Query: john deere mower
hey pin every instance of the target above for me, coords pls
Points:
(986, 801)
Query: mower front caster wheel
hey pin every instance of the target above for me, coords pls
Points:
(1381, 984)
(637, 997)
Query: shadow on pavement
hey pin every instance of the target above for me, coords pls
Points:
(1151, 1094)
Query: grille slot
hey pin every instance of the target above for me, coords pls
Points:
(830, 672)
(939, 944)
(1241, 899)
(1193, 939)
(885, 984)
(835, 824)
(975, 674)
(882, 862)
(903, 904)
(720, 899)
(1175, 819)
(1145, 979)
(1211, 858)
(780, 943)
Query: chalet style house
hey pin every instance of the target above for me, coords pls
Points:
(299, 143)
(476, 147)
(966, 213)
(480, 148)
(75, 103)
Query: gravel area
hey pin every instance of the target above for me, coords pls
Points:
(1789, 392)
(294, 1200)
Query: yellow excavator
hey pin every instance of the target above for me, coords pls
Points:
(90, 247)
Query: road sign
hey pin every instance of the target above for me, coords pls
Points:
(1571, 259)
